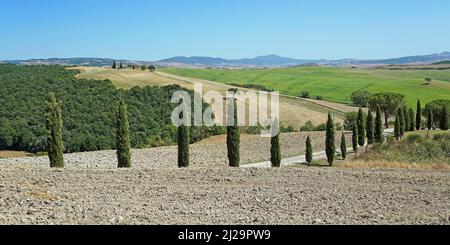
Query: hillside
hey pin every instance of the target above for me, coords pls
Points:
(88, 111)
(271, 61)
(333, 84)
(446, 62)
(293, 111)
(279, 61)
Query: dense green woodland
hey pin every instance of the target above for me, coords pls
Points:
(88, 111)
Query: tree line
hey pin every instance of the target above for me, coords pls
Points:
(121, 66)
(367, 130)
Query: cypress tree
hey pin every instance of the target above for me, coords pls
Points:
(419, 116)
(123, 142)
(370, 128)
(430, 120)
(361, 128)
(120, 65)
(355, 139)
(412, 123)
(309, 151)
(330, 140)
(114, 66)
(402, 121)
(397, 130)
(378, 134)
(406, 115)
(55, 146)
(233, 136)
(443, 122)
(183, 146)
(275, 152)
(343, 147)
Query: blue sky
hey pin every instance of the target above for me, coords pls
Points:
(156, 29)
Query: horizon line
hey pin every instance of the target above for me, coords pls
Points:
(214, 57)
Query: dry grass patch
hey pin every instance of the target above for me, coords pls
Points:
(43, 195)
(13, 154)
(380, 164)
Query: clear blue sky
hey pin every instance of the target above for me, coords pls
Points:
(156, 29)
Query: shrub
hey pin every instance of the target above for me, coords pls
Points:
(351, 119)
(414, 138)
(436, 108)
(361, 98)
(304, 94)
(309, 126)
(444, 136)
(321, 127)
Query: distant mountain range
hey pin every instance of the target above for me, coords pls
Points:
(258, 62)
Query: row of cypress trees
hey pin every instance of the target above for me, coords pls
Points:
(369, 129)
(123, 143)
(405, 121)
(54, 125)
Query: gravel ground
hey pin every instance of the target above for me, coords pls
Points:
(211, 152)
(90, 190)
(38, 195)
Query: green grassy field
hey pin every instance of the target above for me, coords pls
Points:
(334, 84)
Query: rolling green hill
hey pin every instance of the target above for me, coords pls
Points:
(334, 84)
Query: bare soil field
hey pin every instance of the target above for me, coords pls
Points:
(39, 195)
(91, 190)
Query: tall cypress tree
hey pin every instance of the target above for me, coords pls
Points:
(123, 142)
(430, 121)
(402, 121)
(378, 135)
(443, 122)
(309, 151)
(183, 146)
(370, 128)
(233, 135)
(406, 115)
(343, 147)
(419, 116)
(330, 140)
(412, 123)
(55, 146)
(397, 128)
(355, 139)
(114, 66)
(120, 65)
(275, 151)
(361, 128)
